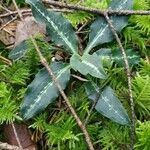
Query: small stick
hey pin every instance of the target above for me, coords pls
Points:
(127, 69)
(82, 27)
(80, 124)
(45, 64)
(15, 12)
(79, 78)
(9, 32)
(96, 11)
(81, 8)
(3, 26)
(29, 11)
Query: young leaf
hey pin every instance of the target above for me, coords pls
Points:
(42, 91)
(88, 64)
(108, 104)
(100, 30)
(59, 29)
(19, 51)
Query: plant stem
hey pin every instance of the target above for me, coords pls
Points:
(27, 11)
(81, 8)
(14, 13)
(45, 64)
(80, 124)
(95, 11)
(127, 69)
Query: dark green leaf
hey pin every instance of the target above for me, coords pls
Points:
(116, 56)
(88, 64)
(42, 91)
(100, 30)
(19, 51)
(108, 104)
(133, 57)
(59, 29)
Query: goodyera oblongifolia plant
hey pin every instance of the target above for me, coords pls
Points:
(42, 90)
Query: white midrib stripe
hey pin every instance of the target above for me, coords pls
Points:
(129, 57)
(100, 33)
(56, 29)
(107, 102)
(44, 91)
(91, 66)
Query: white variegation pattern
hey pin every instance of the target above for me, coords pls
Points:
(103, 29)
(108, 104)
(49, 22)
(42, 91)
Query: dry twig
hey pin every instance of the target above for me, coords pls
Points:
(45, 64)
(127, 68)
(96, 11)
(80, 8)
(28, 11)
(79, 78)
(7, 23)
(14, 13)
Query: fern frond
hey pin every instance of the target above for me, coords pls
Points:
(143, 136)
(39, 122)
(142, 23)
(79, 18)
(134, 37)
(144, 68)
(116, 78)
(59, 134)
(141, 5)
(8, 108)
(83, 17)
(18, 73)
(95, 4)
(141, 92)
(114, 137)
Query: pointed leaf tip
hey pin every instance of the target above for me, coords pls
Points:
(42, 91)
(108, 104)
